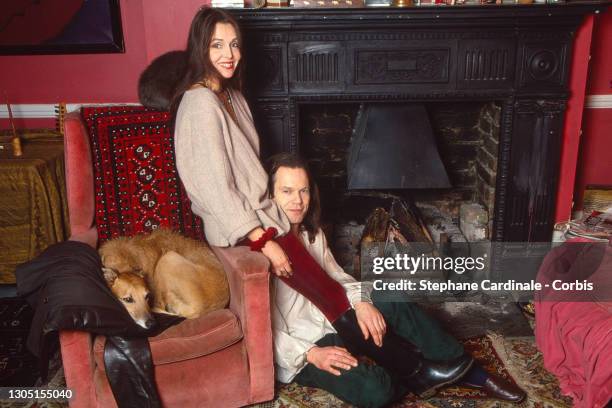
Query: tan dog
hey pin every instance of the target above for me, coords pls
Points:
(164, 272)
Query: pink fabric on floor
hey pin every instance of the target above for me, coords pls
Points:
(575, 337)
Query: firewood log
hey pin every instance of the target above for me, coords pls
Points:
(376, 226)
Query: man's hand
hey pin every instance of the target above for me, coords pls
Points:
(371, 322)
(280, 263)
(330, 358)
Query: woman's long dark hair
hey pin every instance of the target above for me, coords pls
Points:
(312, 220)
(199, 65)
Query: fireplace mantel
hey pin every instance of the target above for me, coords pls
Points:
(517, 55)
(509, 15)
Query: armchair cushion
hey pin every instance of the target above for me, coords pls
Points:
(191, 339)
(136, 185)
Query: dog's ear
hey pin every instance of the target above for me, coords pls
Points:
(109, 275)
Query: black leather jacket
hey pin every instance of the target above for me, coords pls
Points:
(66, 288)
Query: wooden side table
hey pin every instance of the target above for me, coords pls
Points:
(33, 206)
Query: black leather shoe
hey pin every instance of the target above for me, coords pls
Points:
(402, 358)
(498, 388)
(435, 374)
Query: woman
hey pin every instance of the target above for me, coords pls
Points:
(217, 147)
(217, 156)
(306, 348)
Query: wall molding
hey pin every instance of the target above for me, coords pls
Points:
(45, 110)
(598, 101)
(49, 110)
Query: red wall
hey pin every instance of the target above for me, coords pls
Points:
(167, 24)
(595, 159)
(600, 80)
(94, 78)
(79, 77)
(579, 72)
(595, 164)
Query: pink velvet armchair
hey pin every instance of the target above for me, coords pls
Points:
(221, 359)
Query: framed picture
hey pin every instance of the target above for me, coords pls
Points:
(29, 27)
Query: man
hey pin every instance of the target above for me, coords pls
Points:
(307, 348)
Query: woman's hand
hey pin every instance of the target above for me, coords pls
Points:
(280, 263)
(330, 358)
(371, 322)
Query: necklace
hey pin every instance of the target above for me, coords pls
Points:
(229, 98)
(229, 105)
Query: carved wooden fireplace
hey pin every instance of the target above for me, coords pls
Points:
(511, 61)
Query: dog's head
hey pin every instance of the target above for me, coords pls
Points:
(118, 259)
(132, 291)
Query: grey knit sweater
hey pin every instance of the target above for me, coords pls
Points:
(218, 163)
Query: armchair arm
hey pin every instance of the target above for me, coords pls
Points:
(79, 180)
(249, 282)
(79, 366)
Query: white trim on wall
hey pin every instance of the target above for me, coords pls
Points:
(45, 110)
(48, 110)
(598, 101)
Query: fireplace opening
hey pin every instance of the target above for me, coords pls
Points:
(393, 147)
(466, 136)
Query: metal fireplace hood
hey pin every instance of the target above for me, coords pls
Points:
(393, 147)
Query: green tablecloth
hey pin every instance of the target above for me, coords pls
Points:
(33, 209)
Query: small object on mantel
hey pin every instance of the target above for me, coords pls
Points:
(15, 142)
(227, 3)
(254, 3)
(402, 3)
(378, 3)
(328, 3)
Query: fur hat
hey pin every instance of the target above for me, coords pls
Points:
(159, 80)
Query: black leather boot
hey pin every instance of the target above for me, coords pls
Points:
(421, 376)
(129, 369)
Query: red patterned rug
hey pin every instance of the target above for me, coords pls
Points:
(483, 351)
(516, 359)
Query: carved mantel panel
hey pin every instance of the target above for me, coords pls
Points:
(316, 66)
(401, 66)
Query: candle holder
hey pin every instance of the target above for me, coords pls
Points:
(16, 142)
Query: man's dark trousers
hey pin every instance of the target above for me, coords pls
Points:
(369, 385)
